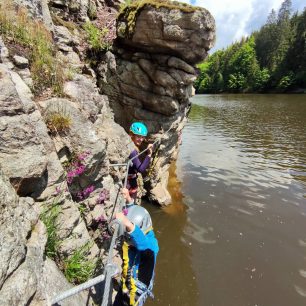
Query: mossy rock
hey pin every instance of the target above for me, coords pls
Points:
(129, 12)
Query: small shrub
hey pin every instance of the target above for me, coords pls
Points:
(49, 217)
(57, 119)
(78, 268)
(286, 81)
(95, 37)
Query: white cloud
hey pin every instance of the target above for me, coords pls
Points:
(238, 18)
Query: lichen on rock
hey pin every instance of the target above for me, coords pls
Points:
(129, 12)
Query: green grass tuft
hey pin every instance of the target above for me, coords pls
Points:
(77, 268)
(95, 37)
(49, 217)
(57, 119)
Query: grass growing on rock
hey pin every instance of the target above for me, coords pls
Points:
(57, 119)
(36, 43)
(78, 268)
(95, 37)
(49, 217)
(130, 9)
(57, 20)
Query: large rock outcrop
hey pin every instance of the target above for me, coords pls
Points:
(149, 75)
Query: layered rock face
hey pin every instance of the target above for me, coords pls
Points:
(26, 277)
(149, 77)
(33, 177)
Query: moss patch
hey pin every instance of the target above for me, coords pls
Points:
(57, 20)
(131, 9)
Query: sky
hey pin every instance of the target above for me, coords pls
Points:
(238, 18)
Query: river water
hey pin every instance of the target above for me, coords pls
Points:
(235, 234)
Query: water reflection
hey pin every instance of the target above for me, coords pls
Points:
(243, 166)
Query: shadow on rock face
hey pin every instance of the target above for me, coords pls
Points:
(31, 186)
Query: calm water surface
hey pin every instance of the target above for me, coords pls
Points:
(236, 232)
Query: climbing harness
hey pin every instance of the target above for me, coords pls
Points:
(110, 269)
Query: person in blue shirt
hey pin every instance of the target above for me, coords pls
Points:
(139, 251)
(138, 133)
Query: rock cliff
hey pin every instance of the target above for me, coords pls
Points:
(150, 73)
(61, 127)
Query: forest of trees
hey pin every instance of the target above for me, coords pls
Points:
(272, 59)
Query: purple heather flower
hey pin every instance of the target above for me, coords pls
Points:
(82, 156)
(83, 194)
(100, 219)
(58, 190)
(69, 180)
(105, 236)
(80, 170)
(79, 196)
(87, 191)
(103, 196)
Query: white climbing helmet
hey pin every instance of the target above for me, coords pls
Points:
(140, 217)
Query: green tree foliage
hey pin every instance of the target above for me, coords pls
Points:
(295, 60)
(271, 59)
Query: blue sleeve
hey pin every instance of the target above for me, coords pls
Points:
(144, 242)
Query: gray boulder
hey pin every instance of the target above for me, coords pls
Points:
(26, 150)
(186, 32)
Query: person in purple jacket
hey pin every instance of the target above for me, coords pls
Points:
(138, 133)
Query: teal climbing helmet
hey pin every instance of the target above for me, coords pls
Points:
(138, 128)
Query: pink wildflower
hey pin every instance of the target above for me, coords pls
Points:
(103, 196)
(83, 194)
(57, 190)
(100, 219)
